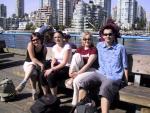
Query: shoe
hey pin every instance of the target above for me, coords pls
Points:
(34, 95)
(20, 87)
(69, 83)
(3, 99)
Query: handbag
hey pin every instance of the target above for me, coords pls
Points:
(46, 104)
(7, 89)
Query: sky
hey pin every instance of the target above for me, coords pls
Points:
(32, 5)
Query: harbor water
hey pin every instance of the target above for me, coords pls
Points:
(133, 44)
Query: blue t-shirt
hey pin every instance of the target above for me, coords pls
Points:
(112, 60)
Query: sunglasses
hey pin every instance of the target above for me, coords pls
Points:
(108, 34)
(86, 39)
(57, 37)
(35, 40)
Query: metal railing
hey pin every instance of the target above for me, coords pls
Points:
(133, 44)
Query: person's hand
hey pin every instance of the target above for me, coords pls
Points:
(42, 67)
(54, 61)
(74, 74)
(48, 72)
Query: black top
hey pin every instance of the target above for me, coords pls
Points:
(39, 55)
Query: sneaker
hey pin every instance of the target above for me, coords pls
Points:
(69, 83)
(3, 99)
(20, 87)
(34, 95)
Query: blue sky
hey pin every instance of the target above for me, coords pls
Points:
(31, 5)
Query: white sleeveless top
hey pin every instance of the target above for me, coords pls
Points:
(59, 55)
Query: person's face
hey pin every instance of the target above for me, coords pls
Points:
(58, 38)
(86, 41)
(108, 36)
(35, 40)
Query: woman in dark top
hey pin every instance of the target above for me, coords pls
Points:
(36, 54)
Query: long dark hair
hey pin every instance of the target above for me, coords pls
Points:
(38, 35)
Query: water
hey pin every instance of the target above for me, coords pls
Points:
(133, 44)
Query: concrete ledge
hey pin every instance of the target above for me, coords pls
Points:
(15, 51)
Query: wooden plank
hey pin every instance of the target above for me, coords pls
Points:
(145, 110)
(136, 94)
(139, 64)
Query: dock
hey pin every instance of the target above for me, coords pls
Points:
(11, 67)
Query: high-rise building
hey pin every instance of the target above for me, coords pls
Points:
(65, 12)
(126, 13)
(87, 17)
(114, 13)
(105, 4)
(3, 12)
(44, 15)
(20, 8)
(53, 5)
(78, 17)
(148, 22)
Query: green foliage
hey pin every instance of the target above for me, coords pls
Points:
(30, 26)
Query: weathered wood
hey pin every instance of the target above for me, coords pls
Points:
(139, 64)
(136, 94)
(145, 110)
(137, 79)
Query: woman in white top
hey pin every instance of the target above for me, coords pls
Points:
(59, 70)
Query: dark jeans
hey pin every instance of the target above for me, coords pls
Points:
(55, 77)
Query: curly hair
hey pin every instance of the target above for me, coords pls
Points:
(114, 29)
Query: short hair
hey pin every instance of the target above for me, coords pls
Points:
(67, 36)
(61, 33)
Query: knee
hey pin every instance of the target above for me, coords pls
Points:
(82, 94)
(76, 81)
(30, 67)
(76, 55)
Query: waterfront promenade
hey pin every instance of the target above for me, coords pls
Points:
(11, 67)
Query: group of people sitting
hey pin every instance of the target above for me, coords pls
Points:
(104, 64)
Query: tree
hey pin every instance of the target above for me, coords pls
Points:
(30, 26)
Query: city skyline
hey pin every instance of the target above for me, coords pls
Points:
(35, 5)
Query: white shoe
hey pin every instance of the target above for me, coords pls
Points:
(34, 95)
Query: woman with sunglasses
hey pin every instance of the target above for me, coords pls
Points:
(60, 63)
(36, 54)
(83, 61)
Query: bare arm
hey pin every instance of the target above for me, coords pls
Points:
(30, 49)
(66, 57)
(126, 75)
(89, 63)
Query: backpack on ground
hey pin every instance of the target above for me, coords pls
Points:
(86, 105)
(46, 104)
(7, 90)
